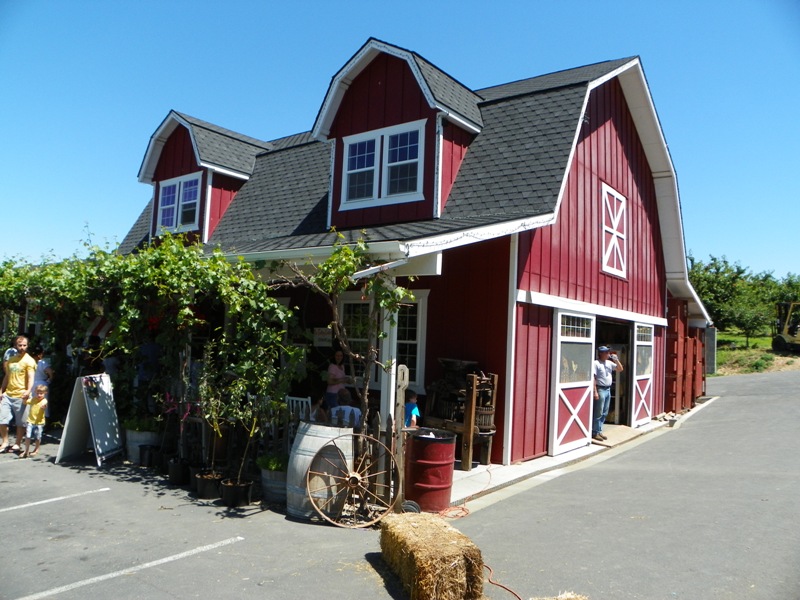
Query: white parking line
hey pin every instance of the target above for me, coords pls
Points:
(2, 510)
(155, 563)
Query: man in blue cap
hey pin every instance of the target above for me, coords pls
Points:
(602, 368)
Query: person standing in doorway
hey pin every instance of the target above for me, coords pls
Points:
(606, 363)
(16, 389)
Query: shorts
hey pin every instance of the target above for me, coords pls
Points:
(11, 407)
(34, 432)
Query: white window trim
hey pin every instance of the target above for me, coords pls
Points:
(421, 300)
(179, 181)
(615, 210)
(380, 197)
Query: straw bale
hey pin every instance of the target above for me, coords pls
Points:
(433, 560)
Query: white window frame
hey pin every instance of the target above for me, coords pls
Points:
(614, 231)
(179, 183)
(380, 183)
(421, 300)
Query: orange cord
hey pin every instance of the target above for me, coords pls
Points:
(500, 585)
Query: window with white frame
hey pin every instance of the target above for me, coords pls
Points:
(575, 337)
(411, 326)
(179, 203)
(615, 236)
(383, 166)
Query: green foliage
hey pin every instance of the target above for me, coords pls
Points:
(350, 267)
(737, 298)
(273, 461)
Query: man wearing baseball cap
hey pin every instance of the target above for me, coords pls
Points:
(606, 363)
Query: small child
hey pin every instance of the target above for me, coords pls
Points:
(35, 420)
(412, 410)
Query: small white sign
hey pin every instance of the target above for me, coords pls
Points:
(323, 337)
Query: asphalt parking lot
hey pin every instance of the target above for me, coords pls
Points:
(76, 531)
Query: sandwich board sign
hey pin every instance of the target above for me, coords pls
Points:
(92, 415)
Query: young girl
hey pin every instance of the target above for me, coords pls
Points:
(35, 420)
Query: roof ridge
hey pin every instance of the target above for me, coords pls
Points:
(229, 133)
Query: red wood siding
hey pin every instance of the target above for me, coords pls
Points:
(223, 191)
(565, 259)
(455, 142)
(531, 382)
(659, 350)
(385, 93)
(467, 309)
(176, 159)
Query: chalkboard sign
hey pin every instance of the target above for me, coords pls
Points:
(91, 419)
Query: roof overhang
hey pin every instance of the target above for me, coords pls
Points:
(640, 103)
(345, 76)
(159, 139)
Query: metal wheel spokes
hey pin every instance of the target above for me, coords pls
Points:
(353, 481)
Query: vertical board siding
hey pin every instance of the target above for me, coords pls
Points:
(223, 191)
(455, 142)
(531, 382)
(467, 309)
(385, 93)
(177, 158)
(565, 259)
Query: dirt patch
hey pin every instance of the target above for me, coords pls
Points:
(779, 363)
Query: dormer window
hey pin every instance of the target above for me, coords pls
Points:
(179, 203)
(383, 166)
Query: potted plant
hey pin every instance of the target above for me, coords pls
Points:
(210, 405)
(273, 465)
(141, 430)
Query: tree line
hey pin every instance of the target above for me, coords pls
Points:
(736, 298)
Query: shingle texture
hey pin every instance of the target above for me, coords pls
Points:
(224, 148)
(139, 233)
(512, 170)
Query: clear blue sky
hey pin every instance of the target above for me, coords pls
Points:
(83, 85)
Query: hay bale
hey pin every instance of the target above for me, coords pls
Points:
(432, 559)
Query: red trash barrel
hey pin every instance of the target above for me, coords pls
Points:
(430, 454)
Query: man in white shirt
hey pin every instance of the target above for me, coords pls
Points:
(602, 369)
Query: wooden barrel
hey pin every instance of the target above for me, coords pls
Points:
(310, 438)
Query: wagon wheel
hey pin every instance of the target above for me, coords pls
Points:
(353, 481)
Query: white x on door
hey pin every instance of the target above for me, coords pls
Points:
(571, 403)
(642, 401)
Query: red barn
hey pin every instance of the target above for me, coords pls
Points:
(539, 218)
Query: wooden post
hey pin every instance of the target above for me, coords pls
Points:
(398, 446)
(467, 438)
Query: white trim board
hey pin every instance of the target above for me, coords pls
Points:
(528, 297)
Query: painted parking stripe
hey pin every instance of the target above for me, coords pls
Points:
(132, 570)
(2, 510)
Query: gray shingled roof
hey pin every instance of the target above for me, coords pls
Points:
(513, 170)
(449, 92)
(139, 233)
(225, 148)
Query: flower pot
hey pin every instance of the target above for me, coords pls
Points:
(273, 486)
(134, 439)
(235, 493)
(147, 455)
(166, 459)
(208, 484)
(178, 472)
(193, 471)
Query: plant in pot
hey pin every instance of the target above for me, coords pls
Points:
(141, 431)
(273, 465)
(210, 405)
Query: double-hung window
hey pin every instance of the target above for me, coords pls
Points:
(179, 203)
(383, 166)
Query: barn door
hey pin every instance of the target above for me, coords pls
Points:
(642, 397)
(571, 414)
